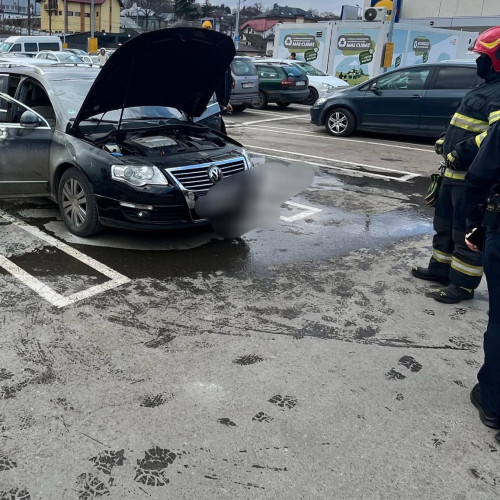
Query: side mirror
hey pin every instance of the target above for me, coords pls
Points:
(30, 120)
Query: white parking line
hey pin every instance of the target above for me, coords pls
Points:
(116, 279)
(289, 131)
(235, 125)
(307, 212)
(402, 178)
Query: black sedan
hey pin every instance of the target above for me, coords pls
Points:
(417, 100)
(119, 146)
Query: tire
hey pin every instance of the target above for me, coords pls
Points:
(312, 98)
(340, 122)
(239, 108)
(77, 203)
(262, 103)
(283, 105)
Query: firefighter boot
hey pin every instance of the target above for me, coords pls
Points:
(423, 273)
(452, 294)
(492, 421)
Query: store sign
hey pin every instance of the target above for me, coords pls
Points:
(354, 42)
(299, 42)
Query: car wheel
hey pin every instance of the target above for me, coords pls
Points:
(239, 108)
(312, 98)
(283, 105)
(340, 122)
(77, 203)
(262, 102)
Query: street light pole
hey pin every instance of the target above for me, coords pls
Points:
(92, 19)
(237, 27)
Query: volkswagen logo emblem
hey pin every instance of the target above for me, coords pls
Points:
(215, 174)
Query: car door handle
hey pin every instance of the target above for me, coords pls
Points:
(416, 96)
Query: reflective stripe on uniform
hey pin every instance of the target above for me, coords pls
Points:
(467, 123)
(444, 258)
(494, 117)
(454, 174)
(480, 138)
(467, 269)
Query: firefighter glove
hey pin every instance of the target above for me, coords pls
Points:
(453, 161)
(438, 146)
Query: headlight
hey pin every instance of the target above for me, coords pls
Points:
(321, 101)
(138, 175)
(328, 86)
(248, 160)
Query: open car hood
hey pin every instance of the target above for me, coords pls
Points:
(175, 67)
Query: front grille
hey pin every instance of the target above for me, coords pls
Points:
(195, 177)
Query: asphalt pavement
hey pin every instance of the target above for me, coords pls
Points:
(299, 361)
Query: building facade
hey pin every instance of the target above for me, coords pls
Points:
(77, 18)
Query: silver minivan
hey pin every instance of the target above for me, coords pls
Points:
(245, 86)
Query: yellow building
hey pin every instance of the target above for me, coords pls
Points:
(107, 16)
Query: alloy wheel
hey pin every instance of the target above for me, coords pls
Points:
(74, 202)
(337, 122)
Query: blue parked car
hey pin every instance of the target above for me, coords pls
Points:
(414, 100)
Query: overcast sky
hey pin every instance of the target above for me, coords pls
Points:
(319, 5)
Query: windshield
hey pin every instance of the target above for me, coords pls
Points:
(140, 113)
(72, 93)
(69, 57)
(311, 70)
(5, 46)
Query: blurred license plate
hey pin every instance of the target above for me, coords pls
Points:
(247, 85)
(300, 84)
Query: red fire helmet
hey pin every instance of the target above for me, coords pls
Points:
(488, 43)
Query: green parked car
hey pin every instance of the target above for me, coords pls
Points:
(280, 84)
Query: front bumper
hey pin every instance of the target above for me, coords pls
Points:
(174, 215)
(317, 116)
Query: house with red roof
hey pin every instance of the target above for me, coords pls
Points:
(265, 24)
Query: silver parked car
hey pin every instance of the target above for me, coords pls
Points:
(245, 88)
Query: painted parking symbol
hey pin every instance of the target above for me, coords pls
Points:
(56, 299)
(306, 211)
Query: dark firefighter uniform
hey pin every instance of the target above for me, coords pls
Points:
(482, 194)
(451, 258)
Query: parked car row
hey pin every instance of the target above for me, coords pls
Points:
(417, 100)
(260, 81)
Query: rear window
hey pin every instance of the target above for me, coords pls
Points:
(243, 67)
(456, 78)
(292, 71)
(49, 46)
(268, 72)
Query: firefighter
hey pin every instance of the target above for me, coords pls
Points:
(482, 197)
(453, 264)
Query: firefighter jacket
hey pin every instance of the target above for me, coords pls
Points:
(479, 110)
(483, 177)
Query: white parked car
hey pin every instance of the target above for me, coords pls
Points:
(59, 57)
(319, 82)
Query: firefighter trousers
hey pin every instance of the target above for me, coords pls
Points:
(489, 374)
(451, 258)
